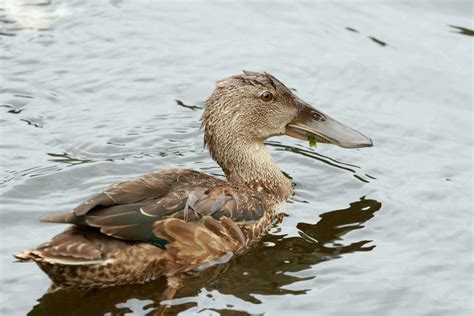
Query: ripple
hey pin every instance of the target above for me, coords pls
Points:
(325, 159)
(380, 42)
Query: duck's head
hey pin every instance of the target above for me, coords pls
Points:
(246, 109)
(252, 107)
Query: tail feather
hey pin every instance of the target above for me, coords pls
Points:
(26, 255)
(37, 256)
(75, 246)
(63, 218)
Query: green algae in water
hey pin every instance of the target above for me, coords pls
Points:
(312, 141)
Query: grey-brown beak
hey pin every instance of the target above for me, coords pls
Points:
(311, 123)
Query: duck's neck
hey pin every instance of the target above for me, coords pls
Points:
(250, 164)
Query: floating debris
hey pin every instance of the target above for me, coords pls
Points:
(312, 141)
(192, 107)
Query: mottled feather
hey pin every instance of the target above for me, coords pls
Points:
(177, 220)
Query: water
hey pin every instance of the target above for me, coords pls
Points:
(88, 98)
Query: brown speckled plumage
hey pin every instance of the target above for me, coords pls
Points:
(119, 235)
(175, 221)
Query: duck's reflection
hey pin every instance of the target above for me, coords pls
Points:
(263, 271)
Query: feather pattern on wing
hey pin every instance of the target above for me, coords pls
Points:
(129, 209)
(169, 221)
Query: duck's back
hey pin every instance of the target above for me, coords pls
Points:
(161, 223)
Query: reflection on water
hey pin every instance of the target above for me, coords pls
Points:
(38, 15)
(281, 256)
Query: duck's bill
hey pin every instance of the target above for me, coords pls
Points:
(311, 123)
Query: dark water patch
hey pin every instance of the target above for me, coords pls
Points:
(12, 109)
(5, 21)
(360, 178)
(23, 96)
(287, 175)
(6, 34)
(225, 311)
(145, 79)
(351, 29)
(116, 144)
(39, 3)
(295, 199)
(32, 123)
(340, 222)
(376, 40)
(15, 111)
(462, 30)
(381, 43)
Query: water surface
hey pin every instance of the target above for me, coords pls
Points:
(101, 91)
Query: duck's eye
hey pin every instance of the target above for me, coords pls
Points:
(266, 96)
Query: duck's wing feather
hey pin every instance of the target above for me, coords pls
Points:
(130, 210)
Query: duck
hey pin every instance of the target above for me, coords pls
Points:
(178, 221)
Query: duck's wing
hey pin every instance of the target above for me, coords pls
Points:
(132, 210)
